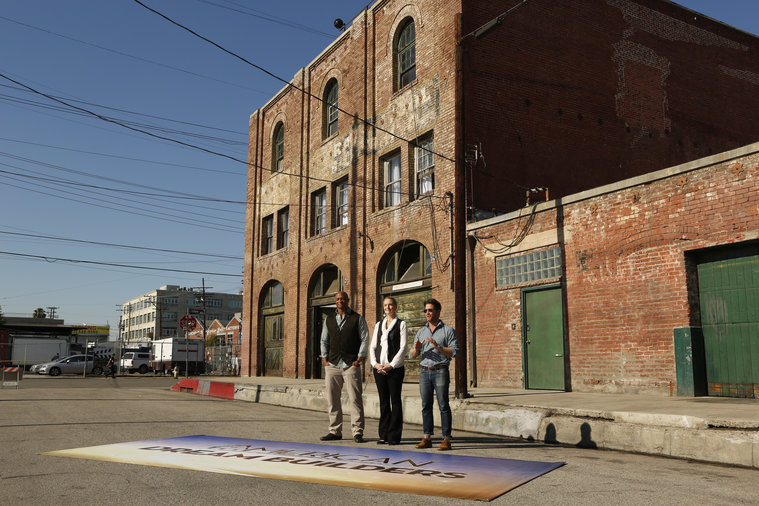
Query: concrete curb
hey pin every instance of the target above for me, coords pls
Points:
(677, 436)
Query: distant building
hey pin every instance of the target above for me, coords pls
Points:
(156, 314)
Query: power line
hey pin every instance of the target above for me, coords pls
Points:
(84, 201)
(192, 146)
(173, 194)
(120, 157)
(120, 53)
(181, 122)
(110, 264)
(204, 137)
(76, 184)
(268, 17)
(288, 83)
(126, 246)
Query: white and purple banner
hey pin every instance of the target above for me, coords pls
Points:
(416, 472)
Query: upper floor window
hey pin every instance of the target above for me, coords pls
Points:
(424, 165)
(319, 212)
(405, 54)
(169, 301)
(341, 202)
(278, 147)
(330, 108)
(267, 235)
(392, 173)
(283, 227)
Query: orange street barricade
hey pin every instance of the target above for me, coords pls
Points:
(8, 372)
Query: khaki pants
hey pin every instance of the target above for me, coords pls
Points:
(334, 380)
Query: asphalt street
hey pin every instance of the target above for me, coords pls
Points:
(48, 414)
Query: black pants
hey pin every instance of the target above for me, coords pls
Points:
(391, 410)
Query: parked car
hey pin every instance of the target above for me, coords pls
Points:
(75, 364)
(135, 362)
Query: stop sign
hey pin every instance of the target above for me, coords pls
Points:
(187, 323)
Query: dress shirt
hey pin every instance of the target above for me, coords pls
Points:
(380, 334)
(363, 333)
(443, 335)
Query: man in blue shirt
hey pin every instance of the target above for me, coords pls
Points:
(437, 344)
(344, 344)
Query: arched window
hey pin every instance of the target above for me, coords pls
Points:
(408, 263)
(278, 147)
(405, 54)
(330, 108)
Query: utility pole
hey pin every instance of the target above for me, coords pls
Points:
(51, 311)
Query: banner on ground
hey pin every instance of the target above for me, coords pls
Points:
(416, 472)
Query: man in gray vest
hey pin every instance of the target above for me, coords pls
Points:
(344, 344)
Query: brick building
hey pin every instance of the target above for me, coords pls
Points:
(593, 291)
(424, 115)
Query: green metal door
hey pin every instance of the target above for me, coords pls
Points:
(273, 338)
(729, 295)
(543, 331)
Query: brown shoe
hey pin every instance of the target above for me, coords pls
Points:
(445, 445)
(424, 443)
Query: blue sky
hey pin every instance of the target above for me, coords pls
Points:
(66, 174)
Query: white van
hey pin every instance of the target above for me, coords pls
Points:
(134, 361)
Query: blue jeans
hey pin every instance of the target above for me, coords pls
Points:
(439, 380)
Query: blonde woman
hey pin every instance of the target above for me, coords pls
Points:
(387, 352)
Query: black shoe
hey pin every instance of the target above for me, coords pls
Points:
(330, 437)
(381, 442)
(393, 443)
(358, 438)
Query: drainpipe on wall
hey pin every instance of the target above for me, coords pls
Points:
(459, 220)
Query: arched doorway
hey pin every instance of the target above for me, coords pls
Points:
(272, 324)
(406, 274)
(326, 282)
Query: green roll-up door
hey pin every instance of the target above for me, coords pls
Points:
(729, 298)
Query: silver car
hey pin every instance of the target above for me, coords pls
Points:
(75, 364)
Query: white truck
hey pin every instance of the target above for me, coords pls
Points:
(186, 354)
(28, 351)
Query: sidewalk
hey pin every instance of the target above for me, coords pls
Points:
(711, 429)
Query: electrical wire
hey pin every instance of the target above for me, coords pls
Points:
(111, 264)
(120, 157)
(286, 82)
(518, 238)
(268, 17)
(138, 58)
(189, 145)
(126, 246)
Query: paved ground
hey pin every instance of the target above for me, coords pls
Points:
(58, 413)
(710, 429)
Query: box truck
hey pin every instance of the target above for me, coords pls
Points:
(186, 354)
(27, 351)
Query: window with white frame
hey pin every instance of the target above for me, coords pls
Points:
(330, 105)
(392, 172)
(341, 202)
(283, 227)
(267, 235)
(424, 165)
(405, 54)
(319, 212)
(278, 147)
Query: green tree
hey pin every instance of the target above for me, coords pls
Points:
(39, 313)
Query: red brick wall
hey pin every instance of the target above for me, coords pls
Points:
(573, 94)
(626, 283)
(361, 61)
